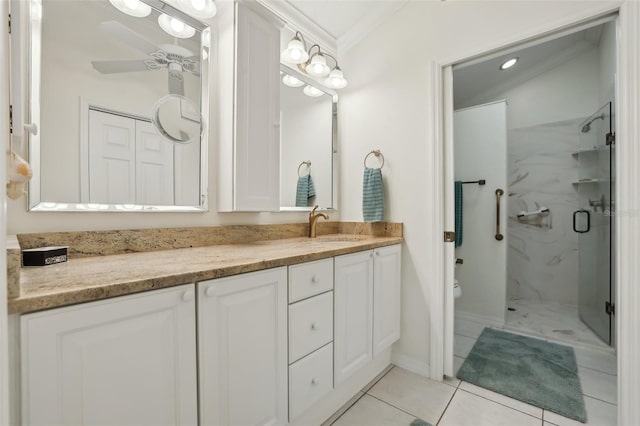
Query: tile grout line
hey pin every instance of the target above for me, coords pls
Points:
(397, 408)
(499, 403)
(448, 403)
(348, 408)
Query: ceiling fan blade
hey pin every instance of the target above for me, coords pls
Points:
(113, 67)
(176, 83)
(128, 36)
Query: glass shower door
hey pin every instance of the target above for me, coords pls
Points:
(593, 221)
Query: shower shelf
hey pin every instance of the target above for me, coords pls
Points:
(587, 151)
(585, 181)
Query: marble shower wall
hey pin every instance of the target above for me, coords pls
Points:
(542, 257)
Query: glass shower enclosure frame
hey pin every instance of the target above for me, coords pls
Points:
(594, 221)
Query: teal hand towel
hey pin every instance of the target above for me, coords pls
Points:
(304, 191)
(458, 212)
(372, 195)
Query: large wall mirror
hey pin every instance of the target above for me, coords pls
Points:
(119, 92)
(308, 126)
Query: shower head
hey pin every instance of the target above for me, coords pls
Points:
(587, 125)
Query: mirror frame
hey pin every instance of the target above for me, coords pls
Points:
(34, 65)
(334, 140)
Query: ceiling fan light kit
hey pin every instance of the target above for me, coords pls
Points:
(313, 63)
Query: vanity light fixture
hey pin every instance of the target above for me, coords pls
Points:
(312, 91)
(291, 81)
(134, 8)
(509, 63)
(313, 63)
(203, 9)
(175, 27)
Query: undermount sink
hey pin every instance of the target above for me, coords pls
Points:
(341, 238)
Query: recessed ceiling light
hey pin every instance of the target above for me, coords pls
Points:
(509, 63)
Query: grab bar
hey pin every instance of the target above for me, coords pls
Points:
(499, 193)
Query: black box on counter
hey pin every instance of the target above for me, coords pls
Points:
(44, 256)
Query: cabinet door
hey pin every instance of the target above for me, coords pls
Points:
(353, 305)
(386, 297)
(242, 338)
(124, 361)
(257, 128)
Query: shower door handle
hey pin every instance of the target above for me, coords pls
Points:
(575, 219)
(499, 193)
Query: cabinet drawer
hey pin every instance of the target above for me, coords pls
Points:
(309, 279)
(310, 379)
(310, 325)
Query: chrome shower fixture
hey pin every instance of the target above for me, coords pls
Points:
(587, 126)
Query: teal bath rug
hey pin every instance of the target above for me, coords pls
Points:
(531, 370)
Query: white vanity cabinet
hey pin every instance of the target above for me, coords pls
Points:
(122, 361)
(367, 307)
(249, 74)
(242, 349)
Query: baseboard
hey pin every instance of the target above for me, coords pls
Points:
(482, 319)
(411, 364)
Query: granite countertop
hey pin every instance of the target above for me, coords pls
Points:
(93, 278)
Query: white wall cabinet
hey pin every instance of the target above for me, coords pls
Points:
(249, 51)
(367, 307)
(123, 361)
(242, 336)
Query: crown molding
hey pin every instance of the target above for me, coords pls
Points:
(298, 21)
(368, 23)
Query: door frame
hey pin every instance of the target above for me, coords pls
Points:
(627, 232)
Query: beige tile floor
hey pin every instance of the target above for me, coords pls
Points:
(399, 396)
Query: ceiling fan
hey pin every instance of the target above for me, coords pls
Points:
(176, 59)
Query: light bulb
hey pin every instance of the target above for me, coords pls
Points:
(203, 9)
(291, 81)
(295, 52)
(132, 4)
(312, 91)
(177, 26)
(318, 66)
(508, 64)
(336, 79)
(132, 7)
(198, 4)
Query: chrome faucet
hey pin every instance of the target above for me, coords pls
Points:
(313, 221)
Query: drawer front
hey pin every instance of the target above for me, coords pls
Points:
(309, 279)
(310, 379)
(310, 325)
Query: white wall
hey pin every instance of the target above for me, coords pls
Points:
(607, 52)
(387, 106)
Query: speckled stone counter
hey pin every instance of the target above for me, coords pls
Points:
(86, 279)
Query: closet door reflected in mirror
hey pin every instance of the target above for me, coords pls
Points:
(307, 135)
(96, 73)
